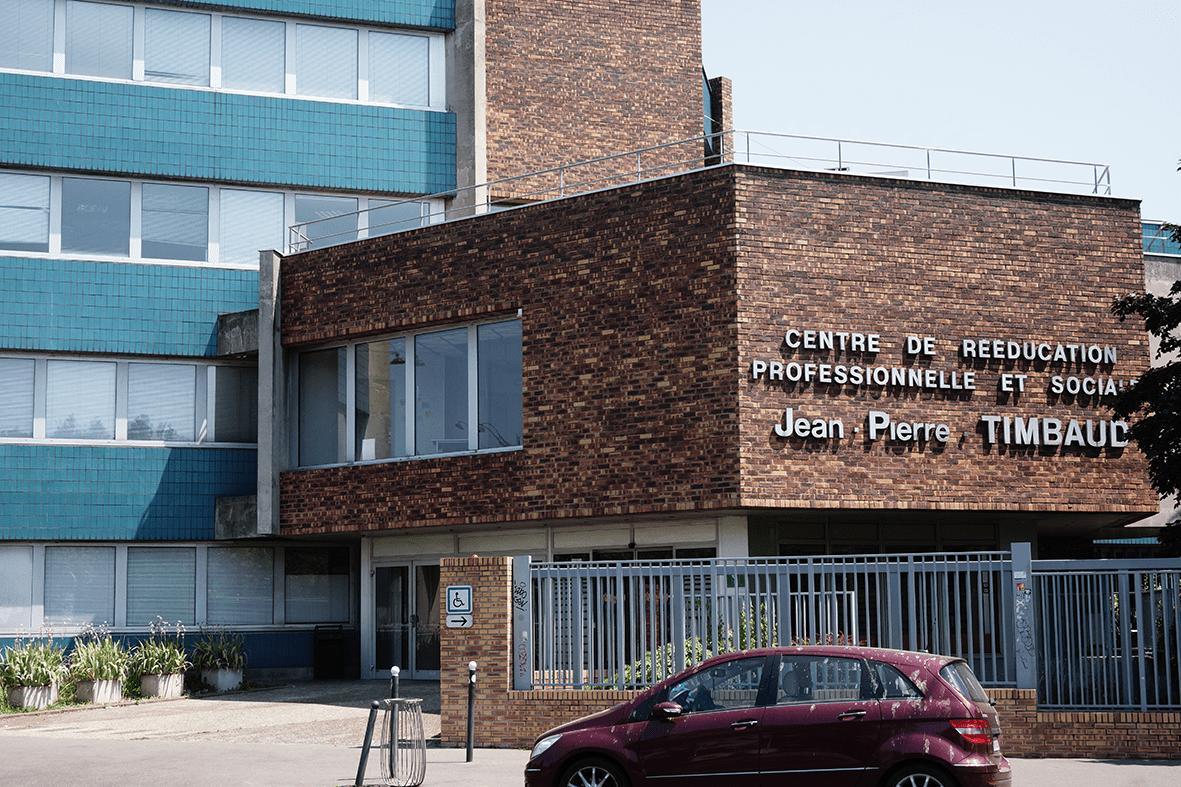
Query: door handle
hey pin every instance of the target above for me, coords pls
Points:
(744, 724)
(851, 715)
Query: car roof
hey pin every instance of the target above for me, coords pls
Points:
(904, 658)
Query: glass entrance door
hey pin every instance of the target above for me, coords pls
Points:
(407, 610)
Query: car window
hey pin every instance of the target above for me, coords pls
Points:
(892, 684)
(729, 685)
(808, 679)
(960, 675)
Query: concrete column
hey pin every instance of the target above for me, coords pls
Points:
(467, 98)
(1024, 637)
(272, 395)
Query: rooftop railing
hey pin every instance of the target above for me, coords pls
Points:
(780, 151)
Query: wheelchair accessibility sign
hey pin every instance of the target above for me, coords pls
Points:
(459, 606)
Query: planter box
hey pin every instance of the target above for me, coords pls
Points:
(167, 686)
(32, 696)
(222, 679)
(100, 692)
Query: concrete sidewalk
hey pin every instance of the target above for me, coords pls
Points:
(309, 735)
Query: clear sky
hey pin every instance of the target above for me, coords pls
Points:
(1083, 81)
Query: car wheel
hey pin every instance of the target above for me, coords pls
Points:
(593, 773)
(920, 776)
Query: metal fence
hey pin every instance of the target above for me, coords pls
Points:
(630, 624)
(1108, 634)
(781, 151)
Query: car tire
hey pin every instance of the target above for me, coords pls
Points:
(594, 772)
(918, 776)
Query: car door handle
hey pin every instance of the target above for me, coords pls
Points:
(744, 724)
(851, 714)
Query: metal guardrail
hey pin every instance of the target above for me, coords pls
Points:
(1109, 634)
(783, 151)
(630, 624)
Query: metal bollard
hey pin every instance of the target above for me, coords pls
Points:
(395, 671)
(368, 742)
(471, 708)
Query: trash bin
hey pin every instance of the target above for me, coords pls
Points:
(328, 653)
(403, 743)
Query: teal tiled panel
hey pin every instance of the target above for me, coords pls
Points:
(99, 493)
(436, 14)
(148, 131)
(104, 307)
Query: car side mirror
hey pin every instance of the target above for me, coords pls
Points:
(667, 711)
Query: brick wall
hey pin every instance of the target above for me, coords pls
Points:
(643, 308)
(582, 79)
(512, 719)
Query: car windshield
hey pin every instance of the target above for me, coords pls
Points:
(960, 675)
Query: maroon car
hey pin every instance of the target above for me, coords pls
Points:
(813, 716)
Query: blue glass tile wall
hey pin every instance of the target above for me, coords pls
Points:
(434, 14)
(103, 307)
(117, 493)
(71, 124)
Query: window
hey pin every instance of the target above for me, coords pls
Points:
(16, 397)
(96, 216)
(894, 685)
(335, 219)
(730, 685)
(241, 586)
(317, 585)
(500, 384)
(99, 39)
(161, 581)
(398, 69)
(16, 587)
(161, 401)
(176, 47)
(441, 383)
(322, 407)
(80, 400)
(26, 37)
(386, 217)
(24, 212)
(327, 61)
(250, 221)
(80, 584)
(810, 679)
(381, 400)
(236, 409)
(253, 55)
(175, 222)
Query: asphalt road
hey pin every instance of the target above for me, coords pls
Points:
(309, 735)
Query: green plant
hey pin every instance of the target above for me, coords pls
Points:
(162, 653)
(33, 662)
(97, 656)
(662, 663)
(219, 649)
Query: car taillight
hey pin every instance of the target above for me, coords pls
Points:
(973, 730)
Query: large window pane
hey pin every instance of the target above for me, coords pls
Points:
(381, 400)
(335, 219)
(253, 54)
(161, 582)
(327, 62)
(175, 222)
(322, 407)
(24, 212)
(80, 401)
(80, 584)
(251, 221)
(317, 585)
(499, 358)
(236, 413)
(241, 586)
(16, 587)
(441, 381)
(399, 69)
(16, 397)
(96, 216)
(161, 401)
(98, 39)
(26, 36)
(386, 217)
(176, 47)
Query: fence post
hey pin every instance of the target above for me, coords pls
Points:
(522, 624)
(1024, 641)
